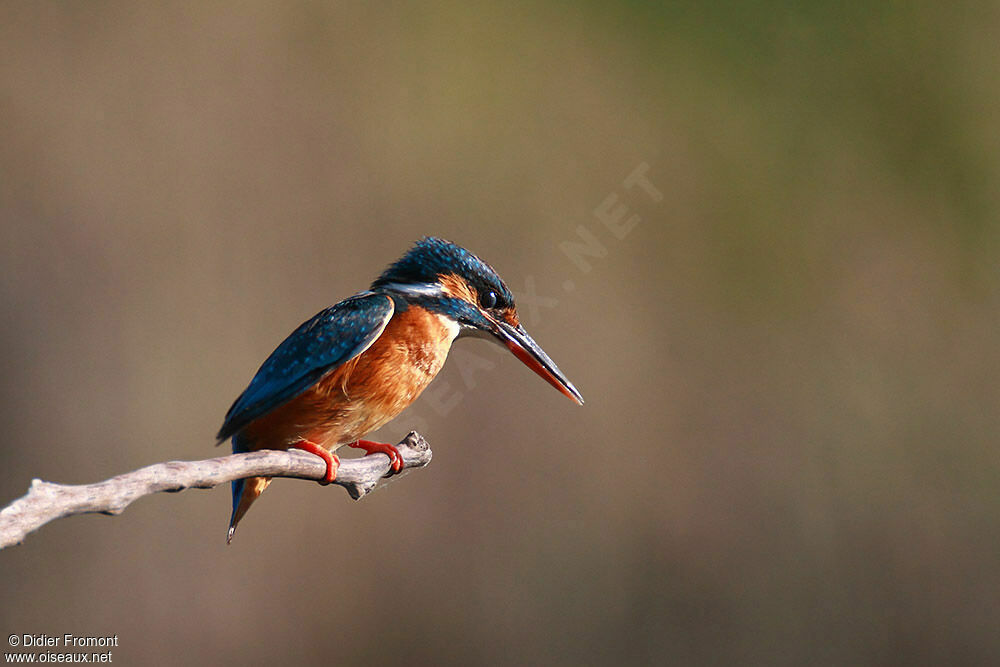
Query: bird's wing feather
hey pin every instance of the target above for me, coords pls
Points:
(327, 340)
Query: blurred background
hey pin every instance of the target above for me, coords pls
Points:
(787, 338)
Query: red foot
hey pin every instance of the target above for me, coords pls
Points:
(332, 462)
(395, 458)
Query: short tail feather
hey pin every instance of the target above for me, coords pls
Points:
(245, 491)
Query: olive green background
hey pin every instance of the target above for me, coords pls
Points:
(788, 453)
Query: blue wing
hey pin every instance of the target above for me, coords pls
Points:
(325, 341)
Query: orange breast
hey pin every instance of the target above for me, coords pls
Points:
(366, 392)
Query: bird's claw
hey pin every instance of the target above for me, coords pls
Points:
(332, 461)
(395, 458)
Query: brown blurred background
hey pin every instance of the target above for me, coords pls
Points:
(788, 453)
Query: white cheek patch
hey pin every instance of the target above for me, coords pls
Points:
(451, 326)
(416, 289)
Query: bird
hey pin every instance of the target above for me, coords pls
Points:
(354, 366)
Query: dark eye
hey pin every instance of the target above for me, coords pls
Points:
(488, 300)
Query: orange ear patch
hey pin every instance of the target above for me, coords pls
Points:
(455, 286)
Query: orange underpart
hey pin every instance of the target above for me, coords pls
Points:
(395, 458)
(332, 462)
(361, 395)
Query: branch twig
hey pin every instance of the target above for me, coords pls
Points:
(47, 502)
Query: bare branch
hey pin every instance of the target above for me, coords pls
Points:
(47, 502)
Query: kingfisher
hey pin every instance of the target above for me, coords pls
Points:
(354, 366)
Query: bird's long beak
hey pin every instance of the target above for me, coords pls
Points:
(527, 350)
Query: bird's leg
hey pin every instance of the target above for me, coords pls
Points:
(332, 462)
(395, 458)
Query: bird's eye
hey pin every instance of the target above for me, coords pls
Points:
(488, 300)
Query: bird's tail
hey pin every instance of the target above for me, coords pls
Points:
(245, 491)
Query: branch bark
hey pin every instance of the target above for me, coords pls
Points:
(47, 502)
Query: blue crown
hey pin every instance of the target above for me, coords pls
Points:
(430, 258)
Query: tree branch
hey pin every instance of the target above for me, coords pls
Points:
(47, 502)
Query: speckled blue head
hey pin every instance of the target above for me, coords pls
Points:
(432, 259)
(449, 280)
